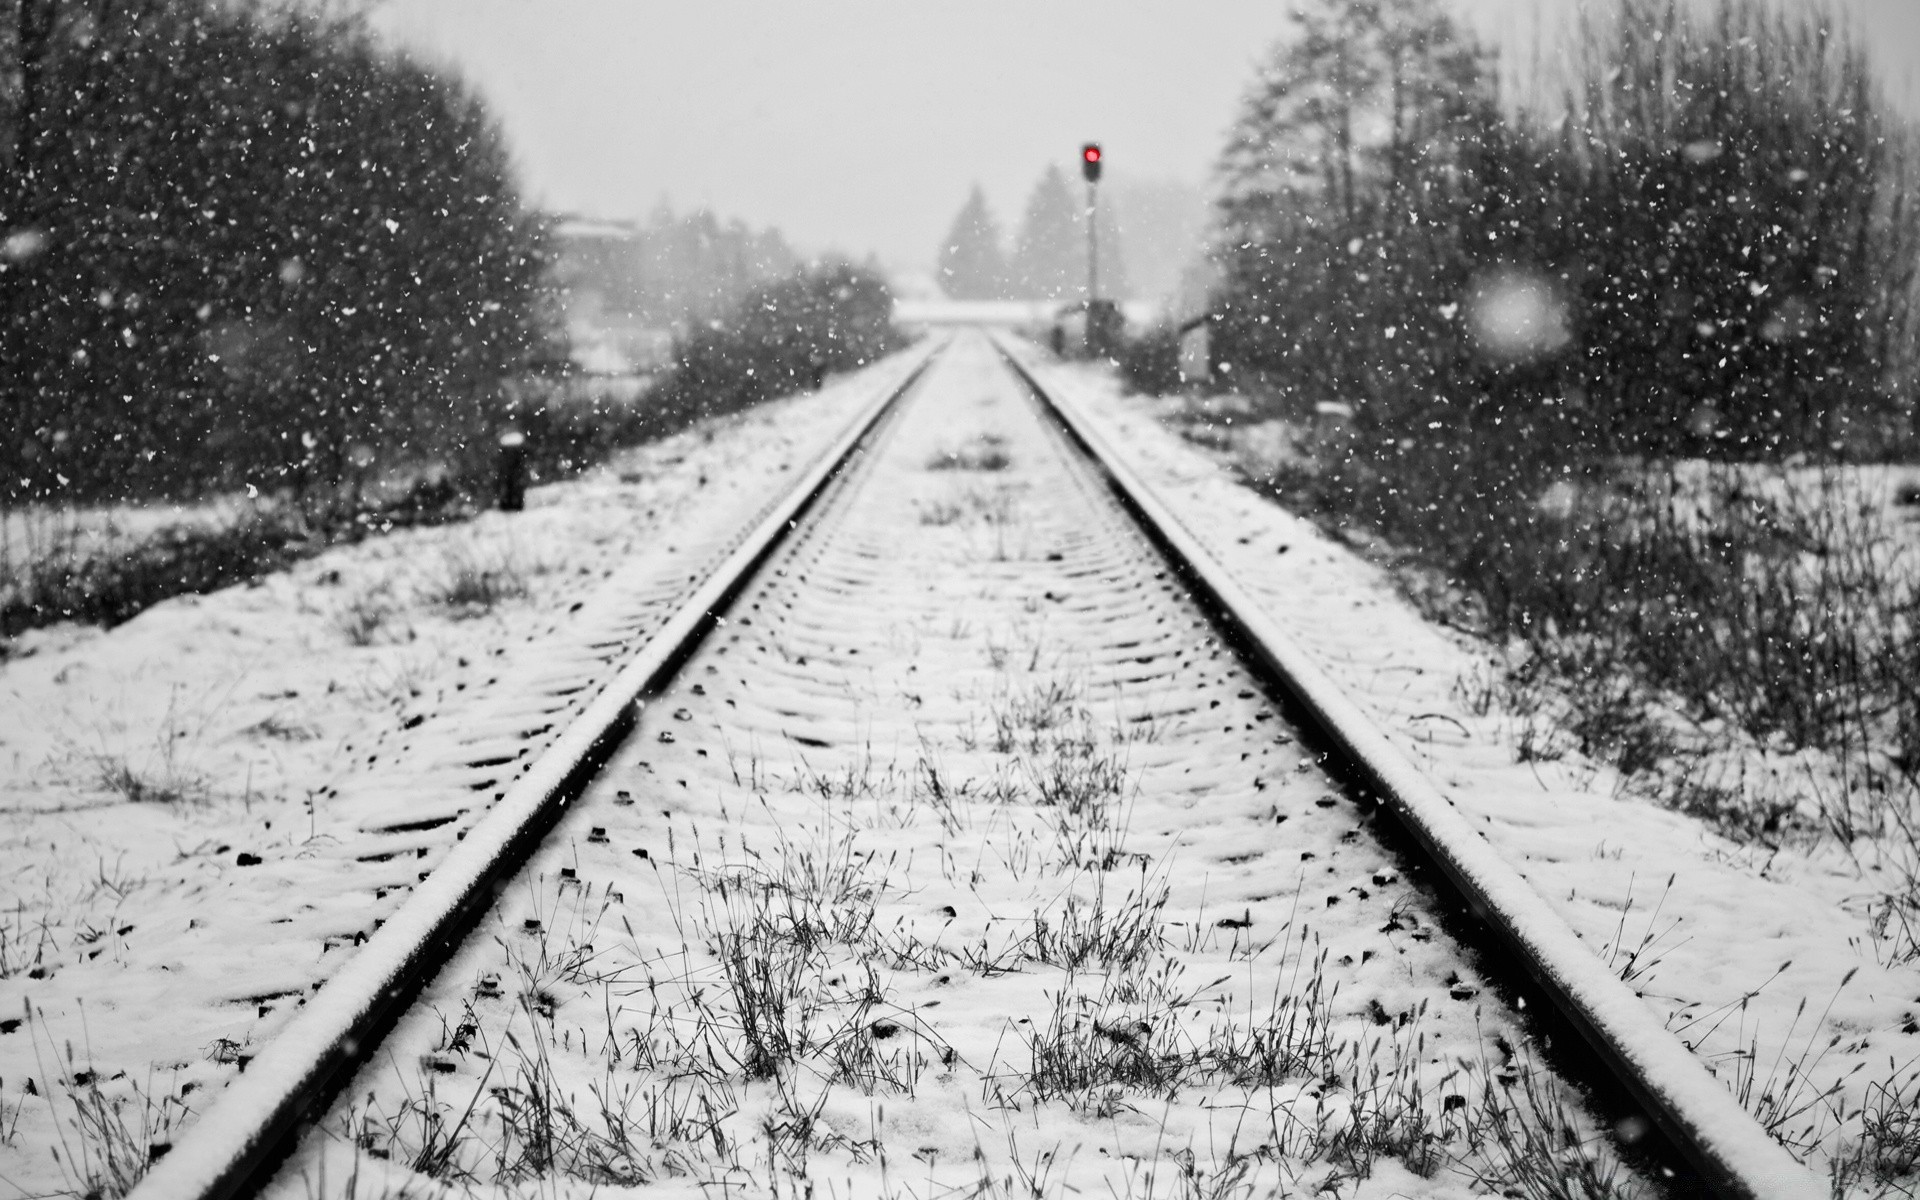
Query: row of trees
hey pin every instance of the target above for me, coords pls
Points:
(1711, 247)
(1048, 258)
(1709, 251)
(779, 336)
(242, 244)
(782, 336)
(671, 271)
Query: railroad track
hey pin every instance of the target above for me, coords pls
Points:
(970, 831)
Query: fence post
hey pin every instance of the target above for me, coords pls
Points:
(510, 480)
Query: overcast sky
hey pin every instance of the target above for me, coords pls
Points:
(859, 125)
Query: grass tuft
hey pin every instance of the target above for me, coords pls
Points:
(473, 584)
(988, 452)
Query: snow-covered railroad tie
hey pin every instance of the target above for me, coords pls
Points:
(960, 843)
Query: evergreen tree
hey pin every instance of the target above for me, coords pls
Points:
(1050, 257)
(972, 264)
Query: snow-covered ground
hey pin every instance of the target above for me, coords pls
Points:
(959, 860)
(207, 807)
(1761, 959)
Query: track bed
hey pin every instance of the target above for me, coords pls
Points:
(962, 855)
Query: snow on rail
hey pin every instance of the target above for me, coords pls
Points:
(1694, 1109)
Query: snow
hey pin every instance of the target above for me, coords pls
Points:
(1680, 1090)
(1732, 914)
(301, 1056)
(315, 779)
(166, 962)
(788, 777)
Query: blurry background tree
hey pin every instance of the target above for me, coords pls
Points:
(779, 336)
(972, 263)
(782, 336)
(1050, 254)
(633, 286)
(1747, 255)
(1709, 249)
(1048, 260)
(243, 244)
(1348, 187)
(1542, 322)
(676, 269)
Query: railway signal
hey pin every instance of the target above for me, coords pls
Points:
(1099, 324)
(1090, 161)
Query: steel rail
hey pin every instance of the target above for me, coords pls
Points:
(229, 1150)
(1698, 1115)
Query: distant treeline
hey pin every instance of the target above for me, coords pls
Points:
(243, 244)
(781, 336)
(1705, 245)
(1047, 259)
(671, 272)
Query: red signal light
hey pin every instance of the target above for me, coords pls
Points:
(1090, 161)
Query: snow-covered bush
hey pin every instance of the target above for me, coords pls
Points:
(242, 243)
(784, 336)
(1705, 246)
(1540, 326)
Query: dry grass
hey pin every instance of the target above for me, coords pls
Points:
(729, 1046)
(988, 452)
(473, 581)
(109, 1129)
(164, 768)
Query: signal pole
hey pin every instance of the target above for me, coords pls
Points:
(1090, 167)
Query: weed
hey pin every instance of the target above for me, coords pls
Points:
(26, 940)
(135, 786)
(120, 1134)
(542, 966)
(1087, 931)
(1022, 719)
(473, 584)
(1676, 615)
(941, 513)
(1526, 1143)
(985, 453)
(1293, 1039)
(1123, 1039)
(1784, 1097)
(1890, 1126)
(543, 1134)
(532, 1128)
(425, 1134)
(281, 730)
(1028, 1176)
(1640, 962)
(66, 571)
(120, 1128)
(996, 508)
(393, 681)
(1894, 922)
(164, 771)
(363, 615)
